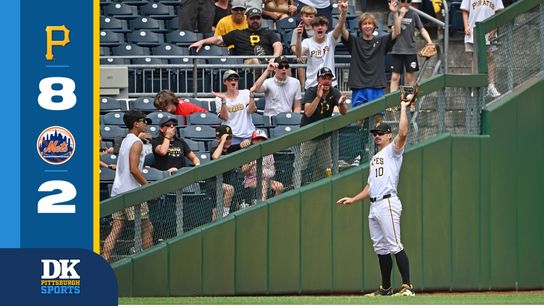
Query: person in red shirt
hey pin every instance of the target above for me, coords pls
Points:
(167, 101)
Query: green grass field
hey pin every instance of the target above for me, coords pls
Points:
(534, 297)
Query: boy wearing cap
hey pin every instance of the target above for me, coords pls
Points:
(318, 49)
(248, 42)
(268, 170)
(223, 135)
(281, 92)
(129, 176)
(166, 101)
(169, 150)
(318, 103)
(236, 21)
(235, 107)
(385, 206)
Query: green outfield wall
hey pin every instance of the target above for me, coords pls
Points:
(472, 220)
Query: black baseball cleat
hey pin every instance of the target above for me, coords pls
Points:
(381, 292)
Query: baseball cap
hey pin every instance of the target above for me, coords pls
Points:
(281, 59)
(381, 127)
(252, 12)
(165, 120)
(325, 71)
(238, 3)
(259, 134)
(222, 130)
(229, 73)
(132, 116)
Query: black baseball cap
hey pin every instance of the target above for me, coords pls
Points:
(132, 116)
(166, 119)
(325, 71)
(252, 12)
(381, 127)
(281, 59)
(222, 130)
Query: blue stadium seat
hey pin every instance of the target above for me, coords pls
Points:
(287, 118)
(169, 2)
(114, 61)
(267, 24)
(282, 130)
(148, 23)
(198, 133)
(110, 159)
(152, 174)
(111, 39)
(145, 38)
(107, 175)
(149, 61)
(112, 132)
(154, 130)
(203, 119)
(108, 104)
(171, 50)
(135, 2)
(172, 24)
(144, 104)
(113, 118)
(232, 62)
(121, 11)
(203, 104)
(212, 50)
(353, 24)
(204, 157)
(157, 116)
(129, 49)
(195, 146)
(197, 210)
(158, 11)
(105, 51)
(286, 23)
(183, 38)
(114, 24)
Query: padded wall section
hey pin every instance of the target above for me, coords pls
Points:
(185, 268)
(150, 273)
(218, 258)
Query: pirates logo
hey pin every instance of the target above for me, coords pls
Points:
(56, 145)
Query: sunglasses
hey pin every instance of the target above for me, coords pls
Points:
(142, 120)
(238, 9)
(281, 66)
(236, 79)
(170, 125)
(379, 133)
(255, 18)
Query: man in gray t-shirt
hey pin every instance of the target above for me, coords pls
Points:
(404, 52)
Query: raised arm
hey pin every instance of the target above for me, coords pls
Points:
(257, 86)
(397, 17)
(340, 27)
(400, 139)
(299, 51)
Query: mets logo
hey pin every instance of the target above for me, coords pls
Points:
(56, 145)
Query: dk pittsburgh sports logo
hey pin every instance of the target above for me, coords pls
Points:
(56, 145)
(60, 277)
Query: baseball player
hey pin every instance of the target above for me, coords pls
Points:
(385, 206)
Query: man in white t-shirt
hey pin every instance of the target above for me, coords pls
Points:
(476, 11)
(281, 92)
(319, 49)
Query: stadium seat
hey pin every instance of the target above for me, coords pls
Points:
(267, 24)
(172, 24)
(145, 38)
(148, 23)
(152, 174)
(114, 61)
(129, 49)
(112, 132)
(136, 2)
(105, 51)
(204, 157)
(171, 50)
(144, 104)
(111, 39)
(195, 146)
(203, 104)
(158, 11)
(114, 24)
(121, 11)
(183, 38)
(157, 116)
(456, 19)
(212, 50)
(109, 158)
(287, 118)
(282, 130)
(154, 130)
(198, 132)
(149, 61)
(232, 62)
(113, 118)
(108, 104)
(203, 119)
(197, 210)
(107, 175)
(286, 23)
(169, 2)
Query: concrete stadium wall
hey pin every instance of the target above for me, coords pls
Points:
(471, 221)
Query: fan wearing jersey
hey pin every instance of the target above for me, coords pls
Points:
(385, 206)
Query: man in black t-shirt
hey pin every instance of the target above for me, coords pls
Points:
(169, 150)
(248, 42)
(318, 103)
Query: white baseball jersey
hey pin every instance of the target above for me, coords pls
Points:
(479, 10)
(239, 119)
(384, 171)
(319, 55)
